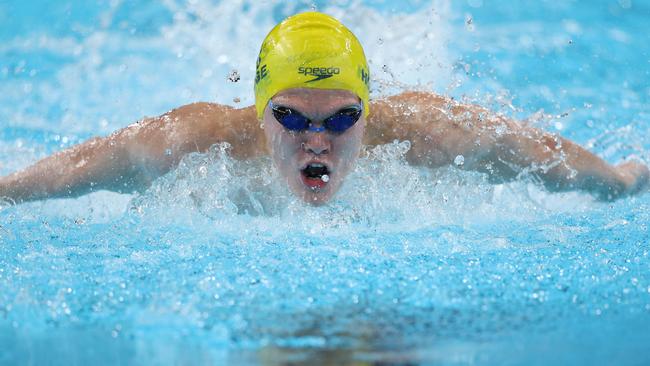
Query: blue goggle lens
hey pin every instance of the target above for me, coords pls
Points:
(338, 122)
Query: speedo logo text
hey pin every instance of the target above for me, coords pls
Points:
(320, 73)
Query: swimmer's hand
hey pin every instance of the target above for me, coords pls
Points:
(635, 176)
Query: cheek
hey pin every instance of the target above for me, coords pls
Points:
(349, 149)
(280, 144)
(353, 144)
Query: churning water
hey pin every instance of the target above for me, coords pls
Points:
(218, 263)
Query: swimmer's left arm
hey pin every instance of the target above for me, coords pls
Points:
(443, 132)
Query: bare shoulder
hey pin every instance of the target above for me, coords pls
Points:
(438, 127)
(399, 116)
(197, 126)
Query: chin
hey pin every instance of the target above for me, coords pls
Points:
(314, 197)
(317, 199)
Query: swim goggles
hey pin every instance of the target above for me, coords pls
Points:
(340, 121)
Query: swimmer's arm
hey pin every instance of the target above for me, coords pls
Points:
(442, 131)
(559, 164)
(131, 158)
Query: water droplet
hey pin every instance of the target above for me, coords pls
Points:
(234, 76)
(459, 160)
(325, 178)
(469, 23)
(168, 152)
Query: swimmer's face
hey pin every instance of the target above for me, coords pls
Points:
(302, 157)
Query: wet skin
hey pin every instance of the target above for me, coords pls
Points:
(438, 128)
(291, 151)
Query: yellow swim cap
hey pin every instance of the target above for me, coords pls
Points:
(310, 50)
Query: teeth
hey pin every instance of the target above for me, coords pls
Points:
(317, 165)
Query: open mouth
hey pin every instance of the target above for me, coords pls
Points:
(315, 175)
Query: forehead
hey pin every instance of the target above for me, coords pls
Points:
(316, 100)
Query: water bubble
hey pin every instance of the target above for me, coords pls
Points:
(168, 152)
(222, 59)
(459, 160)
(325, 178)
(206, 73)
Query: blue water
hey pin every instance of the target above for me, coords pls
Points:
(217, 263)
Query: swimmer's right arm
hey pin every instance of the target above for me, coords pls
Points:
(131, 158)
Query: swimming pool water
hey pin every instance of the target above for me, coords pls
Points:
(217, 263)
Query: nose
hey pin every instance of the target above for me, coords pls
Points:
(317, 143)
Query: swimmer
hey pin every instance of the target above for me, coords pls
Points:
(312, 114)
